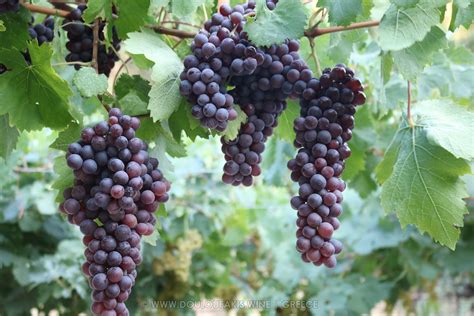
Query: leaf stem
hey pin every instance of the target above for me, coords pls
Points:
(410, 119)
(122, 66)
(314, 54)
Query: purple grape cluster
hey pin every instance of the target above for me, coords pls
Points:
(81, 39)
(221, 51)
(9, 5)
(262, 96)
(117, 188)
(263, 79)
(43, 32)
(322, 132)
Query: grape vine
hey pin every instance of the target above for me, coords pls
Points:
(117, 188)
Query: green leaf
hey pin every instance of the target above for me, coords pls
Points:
(447, 125)
(183, 8)
(9, 136)
(342, 12)
(132, 104)
(16, 30)
(131, 16)
(284, 129)
(2, 26)
(182, 120)
(401, 27)
(64, 177)
(411, 61)
(404, 3)
(233, 128)
(98, 8)
(465, 16)
(356, 162)
(126, 84)
(89, 82)
(386, 67)
(70, 135)
(164, 94)
(424, 188)
(33, 95)
(288, 20)
(150, 131)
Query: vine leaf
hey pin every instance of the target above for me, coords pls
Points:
(9, 136)
(401, 27)
(287, 20)
(70, 135)
(64, 177)
(411, 61)
(421, 184)
(33, 95)
(233, 128)
(448, 125)
(89, 83)
(98, 8)
(342, 12)
(164, 94)
(131, 16)
(15, 33)
(132, 94)
(284, 129)
(183, 8)
(462, 14)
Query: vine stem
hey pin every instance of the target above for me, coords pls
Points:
(410, 119)
(174, 32)
(185, 34)
(45, 10)
(359, 25)
(95, 46)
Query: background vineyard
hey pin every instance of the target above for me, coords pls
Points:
(218, 241)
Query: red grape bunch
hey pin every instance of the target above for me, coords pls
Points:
(81, 39)
(322, 132)
(221, 51)
(9, 5)
(43, 32)
(117, 188)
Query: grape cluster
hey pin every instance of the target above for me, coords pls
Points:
(322, 132)
(43, 32)
(220, 51)
(81, 39)
(117, 187)
(9, 5)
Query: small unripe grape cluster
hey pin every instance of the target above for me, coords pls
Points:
(81, 40)
(117, 188)
(322, 132)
